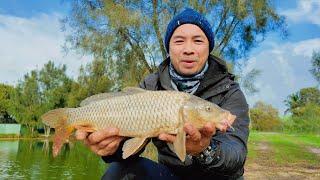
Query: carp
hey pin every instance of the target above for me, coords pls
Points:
(139, 114)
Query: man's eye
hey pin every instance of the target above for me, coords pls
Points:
(198, 41)
(179, 41)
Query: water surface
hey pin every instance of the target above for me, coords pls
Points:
(32, 159)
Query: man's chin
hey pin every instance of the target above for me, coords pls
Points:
(187, 72)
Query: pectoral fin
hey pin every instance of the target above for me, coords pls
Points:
(179, 145)
(132, 146)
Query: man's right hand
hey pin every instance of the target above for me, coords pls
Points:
(102, 142)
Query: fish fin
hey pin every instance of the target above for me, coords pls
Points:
(133, 90)
(179, 145)
(57, 119)
(132, 146)
(61, 136)
(86, 128)
(99, 97)
(102, 96)
(170, 145)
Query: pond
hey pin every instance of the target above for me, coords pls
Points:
(32, 159)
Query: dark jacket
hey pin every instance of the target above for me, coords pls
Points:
(218, 86)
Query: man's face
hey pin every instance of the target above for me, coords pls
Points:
(188, 49)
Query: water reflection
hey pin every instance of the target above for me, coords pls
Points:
(32, 159)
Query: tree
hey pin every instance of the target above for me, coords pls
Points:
(264, 117)
(6, 92)
(129, 33)
(305, 96)
(93, 79)
(26, 106)
(315, 70)
(40, 91)
(55, 87)
(246, 79)
(306, 119)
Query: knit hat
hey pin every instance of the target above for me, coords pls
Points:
(189, 16)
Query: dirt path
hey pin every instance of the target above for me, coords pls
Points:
(314, 150)
(257, 171)
(263, 167)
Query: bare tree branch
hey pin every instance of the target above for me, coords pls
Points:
(229, 36)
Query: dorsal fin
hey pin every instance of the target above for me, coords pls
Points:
(133, 90)
(102, 96)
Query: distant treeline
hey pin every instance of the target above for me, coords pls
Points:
(49, 88)
(302, 115)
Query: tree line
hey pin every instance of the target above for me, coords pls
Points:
(49, 88)
(126, 40)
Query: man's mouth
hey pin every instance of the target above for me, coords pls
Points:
(188, 63)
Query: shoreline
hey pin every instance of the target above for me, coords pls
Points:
(24, 138)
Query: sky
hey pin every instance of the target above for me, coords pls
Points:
(30, 36)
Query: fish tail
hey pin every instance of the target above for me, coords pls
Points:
(57, 119)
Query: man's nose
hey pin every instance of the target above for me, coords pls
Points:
(188, 49)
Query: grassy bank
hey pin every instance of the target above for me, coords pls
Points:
(275, 149)
(284, 149)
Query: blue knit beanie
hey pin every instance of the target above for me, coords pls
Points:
(189, 16)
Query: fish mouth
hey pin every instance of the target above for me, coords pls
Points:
(231, 118)
(227, 122)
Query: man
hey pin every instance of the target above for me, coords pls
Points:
(189, 68)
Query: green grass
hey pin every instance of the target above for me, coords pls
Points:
(311, 140)
(281, 149)
(285, 148)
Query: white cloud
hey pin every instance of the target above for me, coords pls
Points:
(29, 43)
(306, 47)
(306, 11)
(285, 70)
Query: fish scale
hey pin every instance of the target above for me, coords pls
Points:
(139, 114)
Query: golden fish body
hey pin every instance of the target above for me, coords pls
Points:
(135, 115)
(140, 114)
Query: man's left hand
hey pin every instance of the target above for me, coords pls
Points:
(197, 140)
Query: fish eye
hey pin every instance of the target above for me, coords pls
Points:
(208, 108)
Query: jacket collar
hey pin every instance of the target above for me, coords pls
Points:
(216, 72)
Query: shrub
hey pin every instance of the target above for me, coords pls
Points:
(265, 118)
(307, 120)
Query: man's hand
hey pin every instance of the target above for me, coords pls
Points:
(102, 142)
(197, 140)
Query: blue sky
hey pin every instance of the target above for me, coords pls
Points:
(30, 36)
